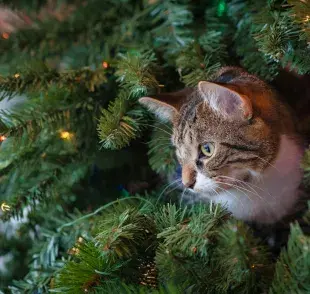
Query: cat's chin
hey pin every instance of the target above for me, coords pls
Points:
(206, 194)
(194, 195)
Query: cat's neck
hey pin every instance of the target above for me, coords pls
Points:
(275, 192)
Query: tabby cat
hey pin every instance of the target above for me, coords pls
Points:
(237, 144)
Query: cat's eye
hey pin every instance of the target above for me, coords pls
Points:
(207, 149)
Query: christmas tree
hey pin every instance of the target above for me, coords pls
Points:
(89, 200)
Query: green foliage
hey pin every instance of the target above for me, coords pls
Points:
(119, 124)
(244, 16)
(274, 39)
(212, 42)
(134, 72)
(54, 37)
(123, 121)
(94, 65)
(169, 216)
(122, 234)
(193, 66)
(200, 60)
(300, 12)
(280, 38)
(41, 152)
(38, 77)
(243, 262)
(293, 267)
(198, 249)
(89, 269)
(161, 152)
(193, 237)
(190, 247)
(48, 251)
(170, 21)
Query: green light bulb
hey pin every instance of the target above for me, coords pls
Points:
(221, 8)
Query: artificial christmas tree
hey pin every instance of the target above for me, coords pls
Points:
(74, 139)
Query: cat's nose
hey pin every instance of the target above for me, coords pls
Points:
(188, 176)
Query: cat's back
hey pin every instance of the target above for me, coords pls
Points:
(295, 91)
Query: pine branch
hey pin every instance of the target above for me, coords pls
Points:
(44, 153)
(169, 288)
(193, 237)
(297, 60)
(120, 123)
(31, 120)
(199, 249)
(48, 251)
(195, 66)
(42, 40)
(300, 14)
(281, 38)
(170, 21)
(124, 120)
(242, 261)
(29, 127)
(38, 76)
(134, 73)
(251, 58)
(274, 39)
(293, 267)
(90, 271)
(43, 188)
(169, 216)
(161, 152)
(121, 235)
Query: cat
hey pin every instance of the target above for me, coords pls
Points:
(237, 144)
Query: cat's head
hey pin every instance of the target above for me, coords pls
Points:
(225, 131)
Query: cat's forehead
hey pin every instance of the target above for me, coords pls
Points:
(204, 126)
(196, 123)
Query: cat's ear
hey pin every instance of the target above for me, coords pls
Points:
(225, 101)
(165, 105)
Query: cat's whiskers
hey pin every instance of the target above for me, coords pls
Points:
(163, 144)
(241, 182)
(169, 185)
(260, 179)
(238, 189)
(176, 187)
(160, 139)
(250, 185)
(209, 186)
(163, 139)
(262, 159)
(265, 201)
(234, 196)
(248, 196)
(182, 195)
(161, 129)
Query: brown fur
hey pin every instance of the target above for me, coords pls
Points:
(239, 144)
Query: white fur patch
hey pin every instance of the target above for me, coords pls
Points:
(271, 197)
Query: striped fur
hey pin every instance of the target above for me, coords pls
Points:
(242, 173)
